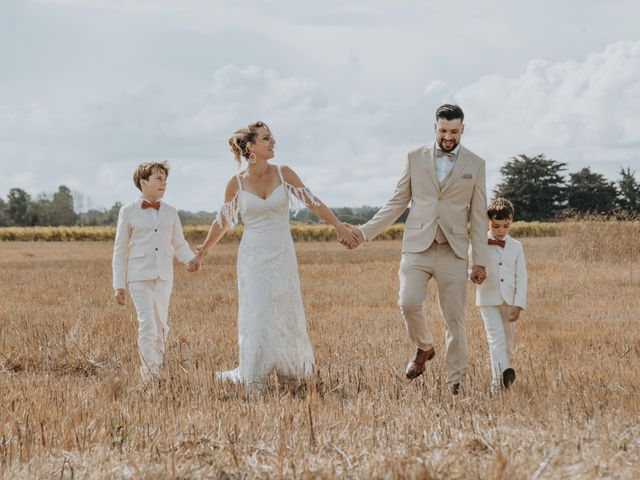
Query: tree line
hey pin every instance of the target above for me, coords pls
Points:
(536, 185)
(539, 190)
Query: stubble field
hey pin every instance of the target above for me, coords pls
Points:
(71, 405)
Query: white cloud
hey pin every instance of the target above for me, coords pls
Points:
(580, 112)
(91, 88)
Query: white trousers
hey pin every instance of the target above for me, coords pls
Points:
(151, 298)
(500, 333)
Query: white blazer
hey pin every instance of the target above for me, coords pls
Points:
(506, 276)
(144, 248)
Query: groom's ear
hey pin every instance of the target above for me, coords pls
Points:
(462, 129)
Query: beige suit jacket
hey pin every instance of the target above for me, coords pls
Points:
(460, 203)
(144, 248)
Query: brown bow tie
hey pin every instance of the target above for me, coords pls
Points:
(155, 205)
(499, 243)
(441, 153)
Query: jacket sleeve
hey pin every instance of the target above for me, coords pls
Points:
(520, 299)
(121, 250)
(181, 248)
(478, 218)
(393, 208)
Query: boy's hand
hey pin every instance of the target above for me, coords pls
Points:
(119, 296)
(515, 314)
(478, 274)
(193, 266)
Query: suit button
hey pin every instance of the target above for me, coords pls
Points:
(502, 279)
(500, 264)
(156, 249)
(155, 230)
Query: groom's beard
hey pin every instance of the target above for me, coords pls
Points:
(455, 144)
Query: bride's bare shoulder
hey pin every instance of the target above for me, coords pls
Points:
(232, 188)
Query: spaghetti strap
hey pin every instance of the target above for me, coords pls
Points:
(239, 182)
(280, 174)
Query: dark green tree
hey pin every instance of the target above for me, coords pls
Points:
(535, 185)
(62, 212)
(629, 191)
(4, 214)
(590, 192)
(112, 214)
(40, 211)
(17, 206)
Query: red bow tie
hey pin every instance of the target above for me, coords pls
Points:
(155, 205)
(499, 243)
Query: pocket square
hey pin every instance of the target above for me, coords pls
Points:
(466, 176)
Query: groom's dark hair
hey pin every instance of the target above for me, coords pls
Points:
(449, 112)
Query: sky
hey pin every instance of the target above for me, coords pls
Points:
(91, 88)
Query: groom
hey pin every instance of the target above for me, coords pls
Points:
(445, 184)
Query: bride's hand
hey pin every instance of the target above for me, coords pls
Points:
(347, 237)
(192, 266)
(195, 265)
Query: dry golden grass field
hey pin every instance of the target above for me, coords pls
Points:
(71, 405)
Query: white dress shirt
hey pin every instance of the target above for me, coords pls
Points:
(444, 164)
(151, 211)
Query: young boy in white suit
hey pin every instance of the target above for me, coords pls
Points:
(148, 235)
(503, 295)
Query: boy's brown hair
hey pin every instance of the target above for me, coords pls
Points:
(500, 209)
(145, 170)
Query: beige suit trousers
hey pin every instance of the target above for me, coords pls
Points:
(450, 273)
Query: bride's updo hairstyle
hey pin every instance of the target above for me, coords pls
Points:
(241, 139)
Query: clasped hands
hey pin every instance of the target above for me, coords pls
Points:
(478, 274)
(195, 264)
(349, 236)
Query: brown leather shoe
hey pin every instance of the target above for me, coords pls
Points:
(416, 366)
(455, 388)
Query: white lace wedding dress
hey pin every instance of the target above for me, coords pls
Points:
(272, 330)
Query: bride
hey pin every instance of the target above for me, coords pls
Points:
(272, 332)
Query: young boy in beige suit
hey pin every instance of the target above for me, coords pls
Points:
(148, 235)
(503, 295)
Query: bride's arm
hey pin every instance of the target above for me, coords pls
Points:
(296, 188)
(227, 216)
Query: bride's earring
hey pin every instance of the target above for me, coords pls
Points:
(252, 158)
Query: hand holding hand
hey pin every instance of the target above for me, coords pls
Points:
(356, 234)
(515, 314)
(478, 274)
(347, 236)
(119, 296)
(193, 266)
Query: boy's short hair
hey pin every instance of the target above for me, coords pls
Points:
(500, 209)
(145, 170)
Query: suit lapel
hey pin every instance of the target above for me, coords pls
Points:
(457, 168)
(429, 165)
